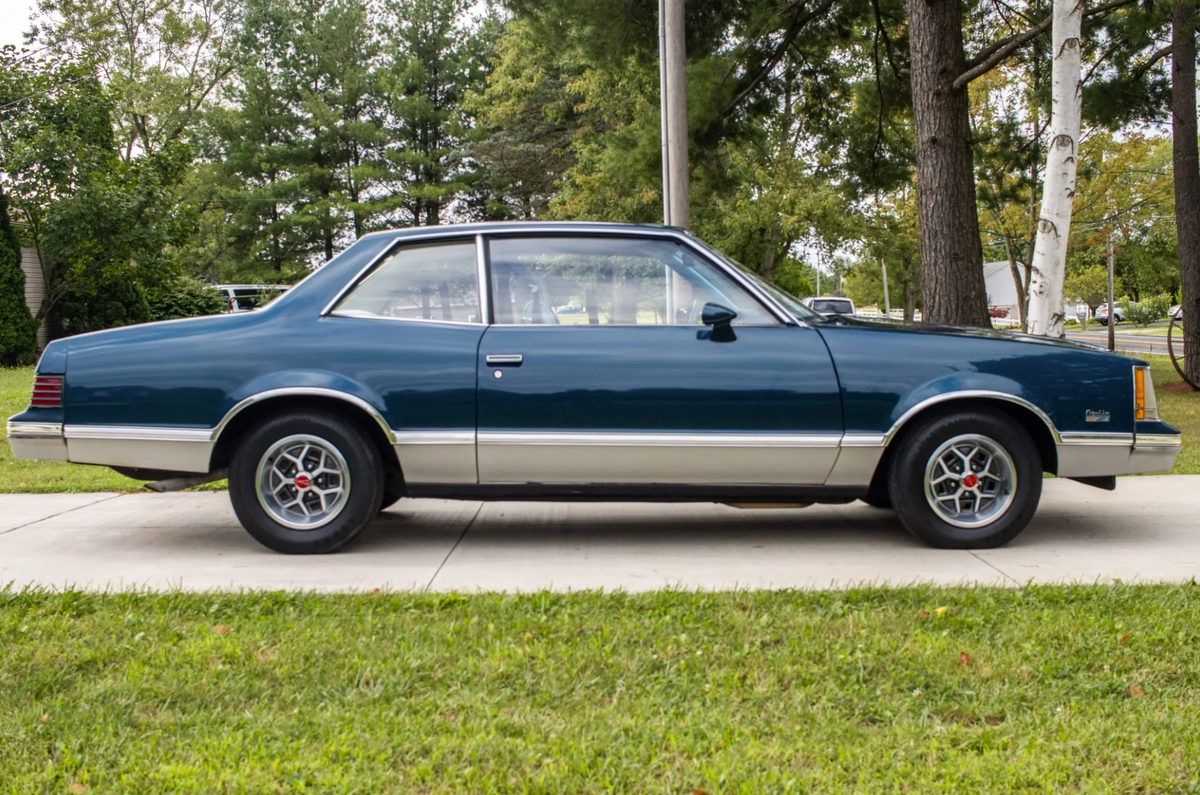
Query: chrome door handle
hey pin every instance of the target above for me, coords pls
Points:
(504, 359)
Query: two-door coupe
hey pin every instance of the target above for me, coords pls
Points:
(585, 362)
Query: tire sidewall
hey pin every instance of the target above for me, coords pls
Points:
(362, 501)
(906, 481)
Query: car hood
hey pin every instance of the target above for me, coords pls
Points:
(960, 331)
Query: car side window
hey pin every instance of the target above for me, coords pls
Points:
(421, 282)
(544, 280)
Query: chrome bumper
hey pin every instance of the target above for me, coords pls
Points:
(1101, 454)
(37, 441)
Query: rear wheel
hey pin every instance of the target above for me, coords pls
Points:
(966, 481)
(305, 483)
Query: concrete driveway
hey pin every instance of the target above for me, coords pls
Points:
(1148, 530)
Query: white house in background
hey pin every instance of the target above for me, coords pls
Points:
(35, 291)
(1002, 292)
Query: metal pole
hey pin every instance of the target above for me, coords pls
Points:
(887, 301)
(1112, 309)
(677, 130)
(662, 110)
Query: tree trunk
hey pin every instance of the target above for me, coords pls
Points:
(1019, 281)
(952, 284)
(910, 290)
(1187, 176)
(1058, 191)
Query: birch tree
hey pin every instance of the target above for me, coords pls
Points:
(1058, 190)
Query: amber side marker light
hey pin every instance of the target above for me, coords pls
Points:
(1145, 404)
(47, 392)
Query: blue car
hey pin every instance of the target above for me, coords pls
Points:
(431, 362)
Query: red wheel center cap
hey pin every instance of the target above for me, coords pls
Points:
(303, 481)
(970, 481)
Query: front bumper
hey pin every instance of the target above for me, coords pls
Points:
(1103, 454)
(37, 441)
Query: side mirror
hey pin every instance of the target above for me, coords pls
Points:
(717, 315)
(720, 318)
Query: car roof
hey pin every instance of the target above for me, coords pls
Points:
(483, 227)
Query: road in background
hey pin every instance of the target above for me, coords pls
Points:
(1129, 340)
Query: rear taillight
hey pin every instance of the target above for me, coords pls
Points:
(47, 392)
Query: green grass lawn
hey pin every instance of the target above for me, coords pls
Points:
(1180, 406)
(1045, 689)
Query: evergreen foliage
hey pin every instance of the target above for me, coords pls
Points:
(18, 330)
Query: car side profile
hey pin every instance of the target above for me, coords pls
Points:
(575, 361)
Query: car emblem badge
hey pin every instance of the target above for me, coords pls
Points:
(970, 481)
(303, 481)
(1097, 415)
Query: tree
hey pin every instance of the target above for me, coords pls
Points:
(431, 63)
(91, 219)
(1088, 284)
(951, 252)
(1050, 255)
(1187, 175)
(18, 330)
(159, 60)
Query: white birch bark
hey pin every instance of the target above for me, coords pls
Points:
(1058, 189)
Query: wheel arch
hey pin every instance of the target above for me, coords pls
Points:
(1037, 423)
(254, 409)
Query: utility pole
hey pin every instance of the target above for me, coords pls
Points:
(675, 78)
(887, 301)
(662, 109)
(1112, 309)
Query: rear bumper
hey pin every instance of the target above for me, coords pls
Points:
(37, 441)
(1101, 454)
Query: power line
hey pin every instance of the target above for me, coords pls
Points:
(44, 91)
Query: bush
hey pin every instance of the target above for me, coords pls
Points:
(18, 329)
(115, 302)
(185, 297)
(1148, 311)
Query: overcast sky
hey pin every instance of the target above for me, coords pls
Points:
(14, 20)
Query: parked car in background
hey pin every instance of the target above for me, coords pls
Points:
(432, 362)
(1102, 314)
(1175, 312)
(830, 306)
(246, 297)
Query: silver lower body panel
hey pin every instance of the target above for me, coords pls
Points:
(605, 458)
(1099, 455)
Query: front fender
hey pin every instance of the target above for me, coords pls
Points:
(964, 386)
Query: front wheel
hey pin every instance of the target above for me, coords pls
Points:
(966, 481)
(305, 483)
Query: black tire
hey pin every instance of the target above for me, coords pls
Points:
(907, 475)
(362, 494)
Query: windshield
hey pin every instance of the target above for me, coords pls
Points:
(789, 302)
(832, 305)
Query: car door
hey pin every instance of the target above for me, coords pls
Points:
(409, 331)
(597, 369)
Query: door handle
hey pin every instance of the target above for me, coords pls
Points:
(504, 359)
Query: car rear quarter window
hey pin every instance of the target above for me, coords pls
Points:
(429, 282)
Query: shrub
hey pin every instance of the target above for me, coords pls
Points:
(115, 302)
(185, 297)
(18, 329)
(1148, 311)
